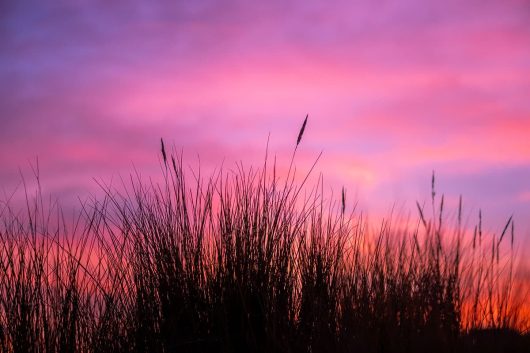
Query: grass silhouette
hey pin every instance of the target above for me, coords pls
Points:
(242, 261)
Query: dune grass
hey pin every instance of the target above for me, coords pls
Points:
(243, 261)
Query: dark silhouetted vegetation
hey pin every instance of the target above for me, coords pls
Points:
(243, 261)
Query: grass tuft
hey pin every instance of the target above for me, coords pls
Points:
(241, 262)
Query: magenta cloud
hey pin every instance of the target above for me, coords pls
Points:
(394, 90)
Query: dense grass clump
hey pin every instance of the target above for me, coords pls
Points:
(246, 262)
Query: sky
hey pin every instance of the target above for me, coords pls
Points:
(393, 89)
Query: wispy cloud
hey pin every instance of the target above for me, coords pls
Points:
(394, 89)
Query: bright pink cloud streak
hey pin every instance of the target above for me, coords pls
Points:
(393, 91)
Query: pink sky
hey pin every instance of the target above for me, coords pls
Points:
(394, 90)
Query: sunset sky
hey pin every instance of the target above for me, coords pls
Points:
(393, 89)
